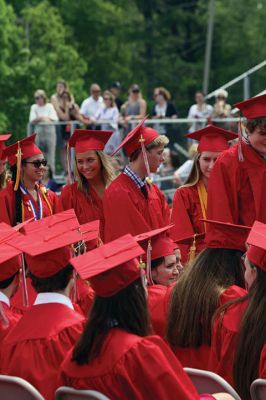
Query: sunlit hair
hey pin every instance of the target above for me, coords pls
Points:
(41, 93)
(164, 92)
(161, 140)
(107, 93)
(107, 172)
(195, 173)
(3, 179)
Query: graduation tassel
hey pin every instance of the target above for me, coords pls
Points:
(5, 321)
(69, 171)
(142, 266)
(240, 135)
(192, 250)
(24, 283)
(145, 158)
(18, 174)
(148, 266)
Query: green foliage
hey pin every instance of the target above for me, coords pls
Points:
(151, 42)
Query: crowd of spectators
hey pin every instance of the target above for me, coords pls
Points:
(55, 120)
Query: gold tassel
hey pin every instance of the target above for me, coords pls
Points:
(18, 155)
(142, 264)
(192, 251)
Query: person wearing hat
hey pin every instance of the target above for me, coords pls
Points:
(213, 278)
(190, 200)
(93, 172)
(25, 197)
(115, 354)
(37, 345)
(3, 172)
(9, 279)
(236, 190)
(221, 109)
(239, 334)
(132, 204)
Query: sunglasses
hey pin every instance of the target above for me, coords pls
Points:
(38, 97)
(37, 163)
(106, 98)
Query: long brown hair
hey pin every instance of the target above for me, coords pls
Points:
(107, 172)
(195, 173)
(3, 179)
(196, 295)
(127, 310)
(252, 337)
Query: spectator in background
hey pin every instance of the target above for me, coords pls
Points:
(199, 110)
(42, 116)
(134, 108)
(115, 89)
(56, 98)
(163, 108)
(48, 180)
(182, 173)
(221, 109)
(67, 111)
(92, 105)
(110, 113)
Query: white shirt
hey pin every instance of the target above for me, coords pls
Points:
(47, 297)
(4, 299)
(43, 111)
(195, 112)
(91, 107)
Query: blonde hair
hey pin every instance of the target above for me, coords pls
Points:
(3, 179)
(107, 172)
(164, 92)
(41, 93)
(112, 97)
(161, 140)
(195, 173)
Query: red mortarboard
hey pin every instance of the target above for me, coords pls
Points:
(47, 248)
(254, 107)
(190, 239)
(224, 235)
(257, 241)
(90, 230)
(212, 138)
(27, 146)
(132, 141)
(3, 138)
(9, 260)
(83, 140)
(161, 245)
(111, 267)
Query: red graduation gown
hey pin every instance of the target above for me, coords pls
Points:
(158, 304)
(236, 190)
(85, 296)
(262, 366)
(87, 208)
(37, 345)
(199, 357)
(126, 210)
(12, 317)
(224, 339)
(49, 202)
(186, 215)
(131, 367)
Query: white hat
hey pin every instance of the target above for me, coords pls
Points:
(221, 92)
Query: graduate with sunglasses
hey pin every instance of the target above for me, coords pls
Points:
(24, 196)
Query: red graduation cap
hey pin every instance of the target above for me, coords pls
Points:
(212, 138)
(111, 267)
(3, 138)
(224, 235)
(257, 241)
(254, 107)
(139, 133)
(47, 249)
(83, 140)
(161, 244)
(26, 146)
(9, 260)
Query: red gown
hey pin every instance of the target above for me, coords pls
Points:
(48, 198)
(262, 366)
(87, 208)
(158, 304)
(85, 296)
(131, 367)
(224, 339)
(236, 190)
(12, 317)
(186, 215)
(199, 357)
(37, 345)
(126, 210)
